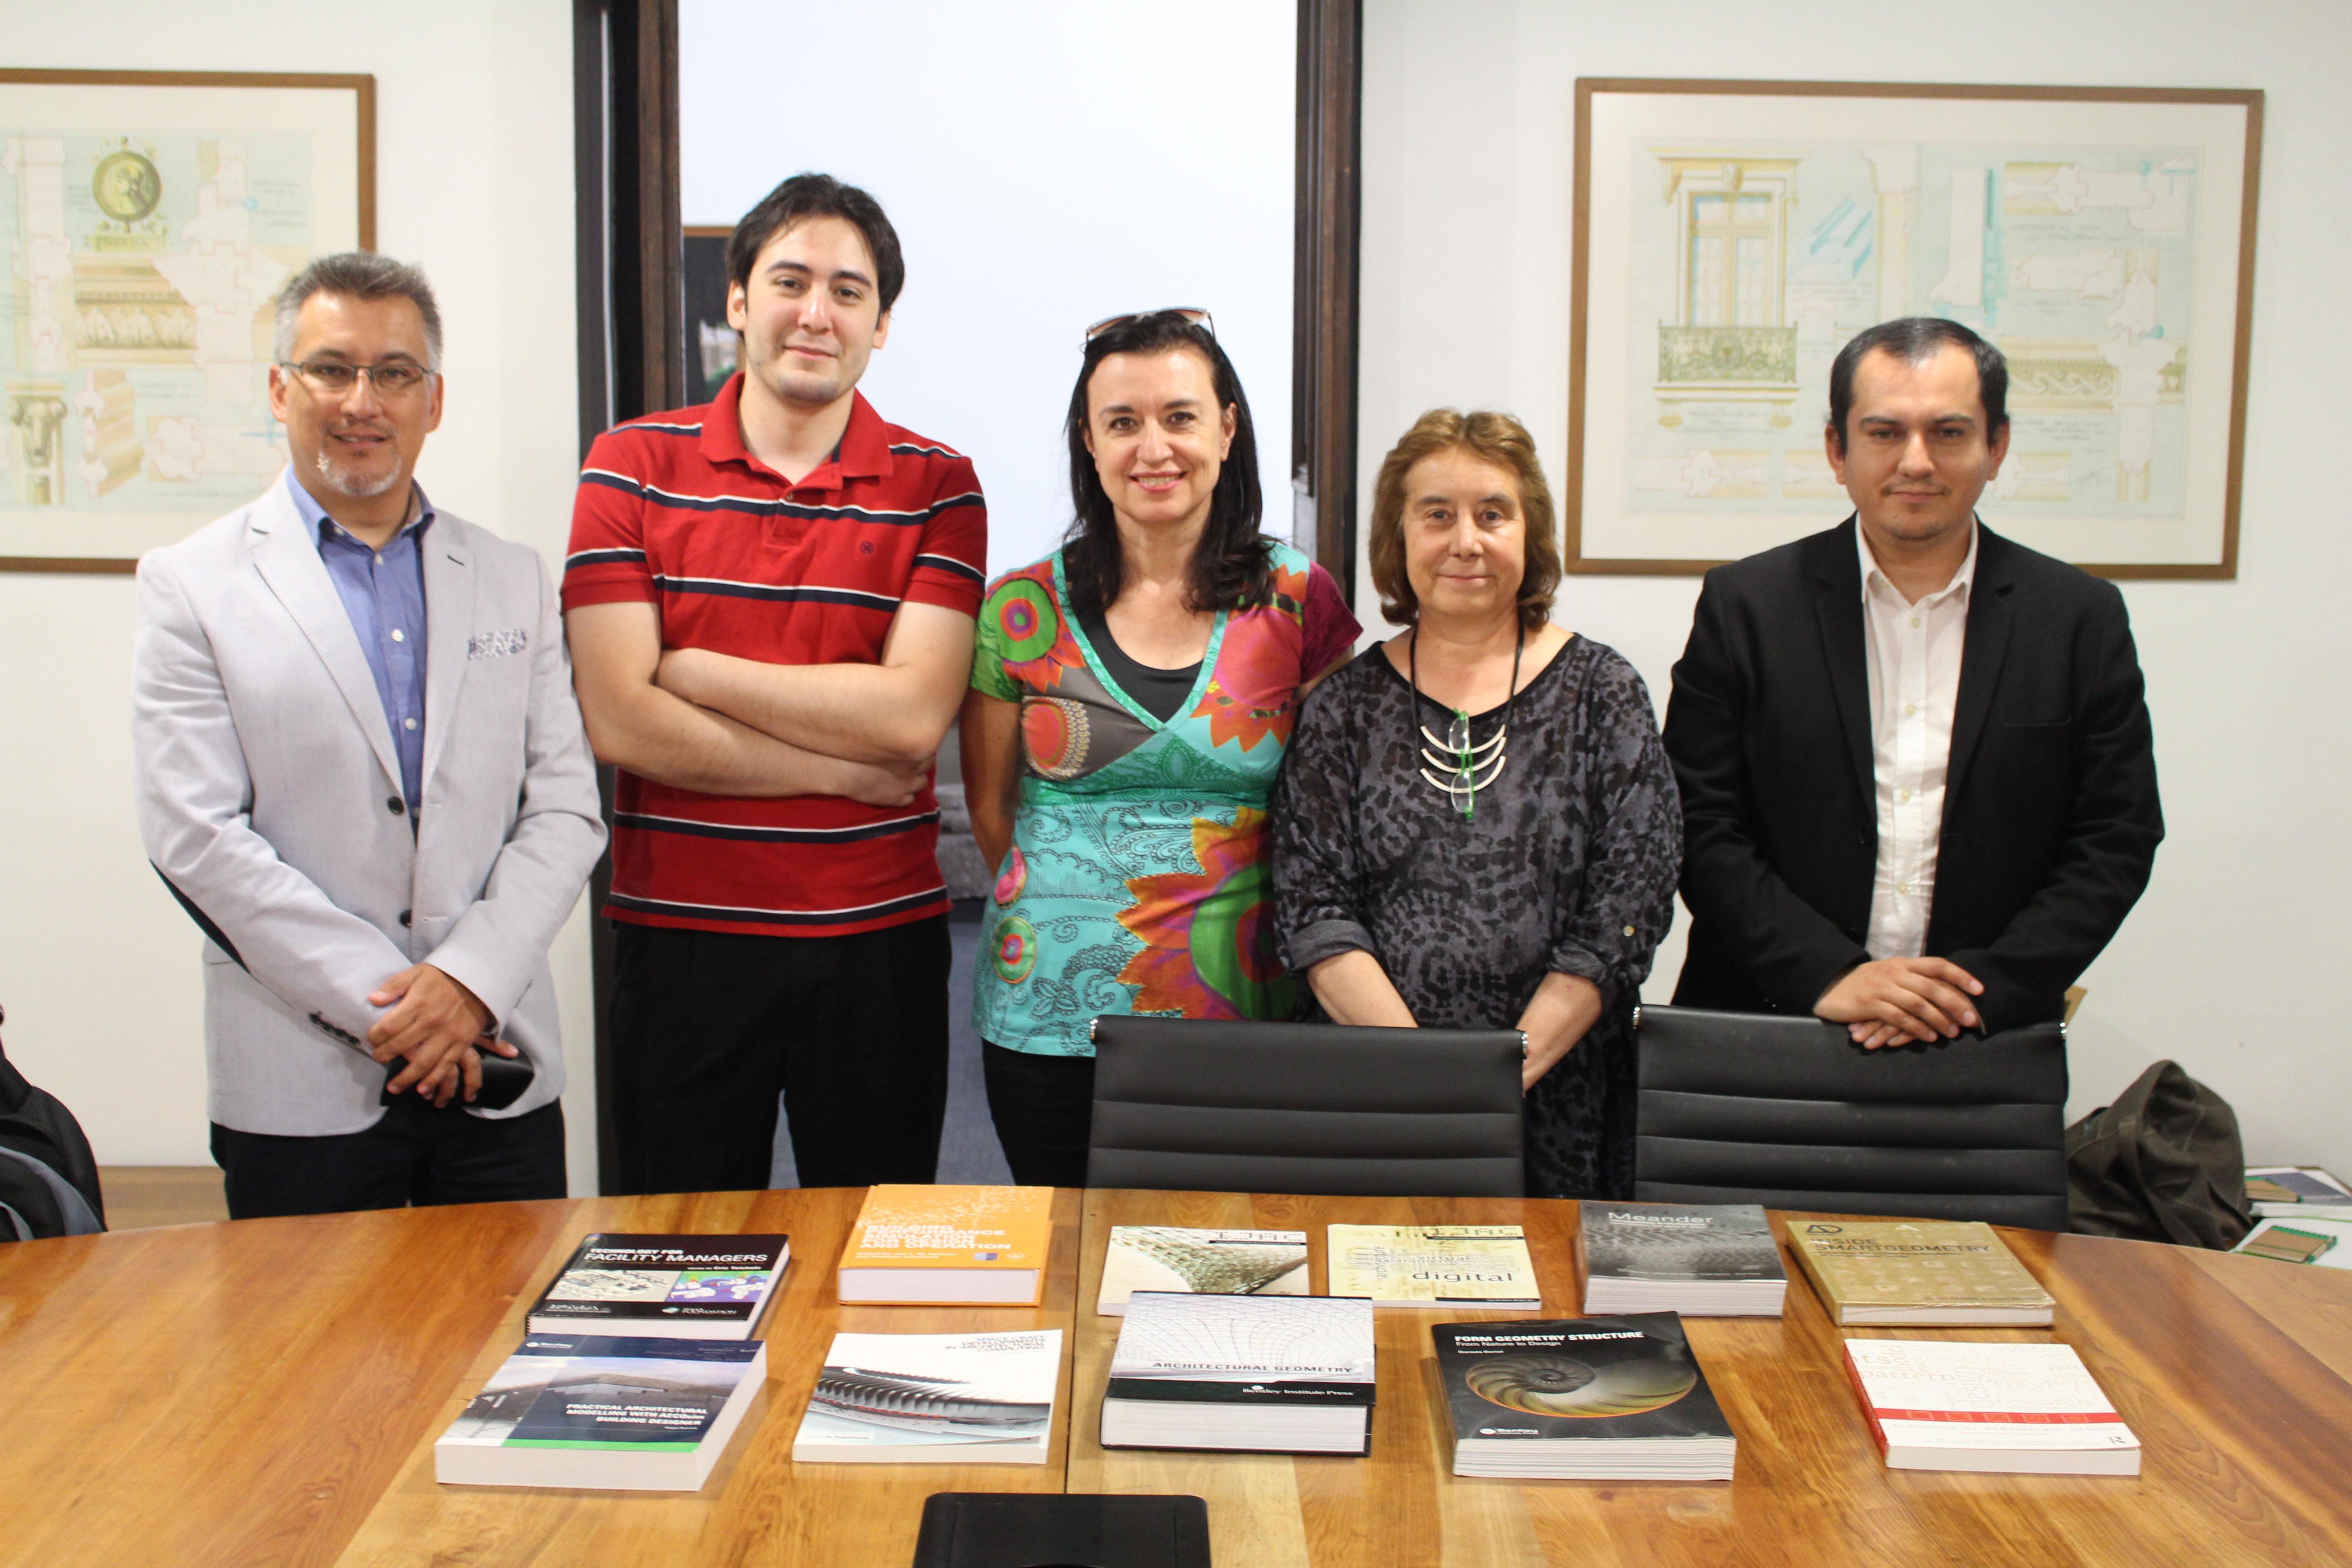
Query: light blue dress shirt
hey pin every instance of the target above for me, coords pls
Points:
(383, 593)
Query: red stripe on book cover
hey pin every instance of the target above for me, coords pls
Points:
(2004, 1417)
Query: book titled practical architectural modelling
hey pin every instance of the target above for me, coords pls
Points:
(2296, 1192)
(1435, 1266)
(1917, 1271)
(1610, 1398)
(982, 1246)
(1209, 1262)
(1710, 1260)
(1288, 1374)
(663, 1287)
(1937, 1405)
(933, 1399)
(623, 1413)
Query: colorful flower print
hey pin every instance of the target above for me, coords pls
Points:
(1249, 692)
(1055, 730)
(1015, 878)
(1037, 643)
(1017, 950)
(1209, 948)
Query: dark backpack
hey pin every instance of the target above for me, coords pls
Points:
(49, 1178)
(2162, 1163)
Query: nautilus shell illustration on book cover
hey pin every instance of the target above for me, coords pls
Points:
(1552, 1383)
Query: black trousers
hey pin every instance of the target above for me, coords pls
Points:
(414, 1154)
(707, 1028)
(1044, 1109)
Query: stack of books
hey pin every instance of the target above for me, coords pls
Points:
(2296, 1192)
(1936, 1405)
(1435, 1266)
(1702, 1260)
(1616, 1398)
(1204, 1262)
(933, 1399)
(983, 1247)
(663, 1287)
(1917, 1271)
(1290, 1374)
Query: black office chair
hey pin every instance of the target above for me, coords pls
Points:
(1790, 1113)
(1188, 1104)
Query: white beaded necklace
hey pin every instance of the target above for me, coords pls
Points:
(1473, 768)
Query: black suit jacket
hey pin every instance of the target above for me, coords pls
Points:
(2050, 819)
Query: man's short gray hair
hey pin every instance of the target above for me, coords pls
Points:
(359, 275)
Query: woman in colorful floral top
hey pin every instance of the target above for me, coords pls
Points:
(1131, 696)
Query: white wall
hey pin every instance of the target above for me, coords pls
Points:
(1045, 165)
(2227, 964)
(474, 180)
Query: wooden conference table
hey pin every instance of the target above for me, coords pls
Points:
(268, 1392)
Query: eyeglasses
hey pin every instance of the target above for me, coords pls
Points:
(332, 377)
(1193, 314)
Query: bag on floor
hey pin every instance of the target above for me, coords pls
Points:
(2162, 1163)
(49, 1178)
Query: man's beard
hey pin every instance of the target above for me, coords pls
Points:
(343, 480)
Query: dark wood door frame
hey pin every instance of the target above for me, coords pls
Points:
(1323, 310)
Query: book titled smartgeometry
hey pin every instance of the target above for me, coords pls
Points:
(1435, 1266)
(1290, 1374)
(1917, 1271)
(1712, 1260)
(933, 1399)
(1207, 1262)
(663, 1287)
(1619, 1398)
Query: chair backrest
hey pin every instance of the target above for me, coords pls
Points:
(1790, 1113)
(1190, 1104)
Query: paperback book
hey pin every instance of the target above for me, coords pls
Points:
(1435, 1266)
(1207, 1262)
(2301, 1240)
(933, 1399)
(1703, 1260)
(1917, 1271)
(1947, 1405)
(2288, 1192)
(663, 1287)
(618, 1413)
(1290, 1374)
(1604, 1398)
(979, 1246)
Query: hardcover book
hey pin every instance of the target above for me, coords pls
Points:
(1698, 1259)
(1208, 1262)
(983, 1247)
(1612, 1398)
(1936, 1405)
(933, 1399)
(1273, 1374)
(663, 1287)
(1435, 1266)
(628, 1412)
(1917, 1271)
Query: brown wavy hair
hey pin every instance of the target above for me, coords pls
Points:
(1491, 438)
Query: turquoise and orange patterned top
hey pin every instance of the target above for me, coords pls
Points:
(1137, 881)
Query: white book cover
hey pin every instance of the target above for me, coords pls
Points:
(1203, 1262)
(1308, 1340)
(1946, 1394)
(934, 1399)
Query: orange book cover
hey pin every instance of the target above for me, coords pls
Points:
(983, 1229)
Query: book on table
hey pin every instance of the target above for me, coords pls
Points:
(624, 1413)
(1703, 1260)
(1948, 1272)
(933, 1399)
(1948, 1404)
(977, 1247)
(1602, 1398)
(1207, 1262)
(1435, 1266)
(1286, 1375)
(663, 1286)
(2301, 1240)
(2290, 1191)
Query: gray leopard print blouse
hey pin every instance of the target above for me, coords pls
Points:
(1568, 864)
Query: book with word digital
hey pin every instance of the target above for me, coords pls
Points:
(2289, 1192)
(1955, 1273)
(1286, 1375)
(1711, 1260)
(1209, 1262)
(1949, 1405)
(663, 1287)
(978, 1247)
(933, 1399)
(621, 1413)
(1435, 1266)
(1603, 1398)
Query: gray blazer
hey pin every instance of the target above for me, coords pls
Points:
(268, 782)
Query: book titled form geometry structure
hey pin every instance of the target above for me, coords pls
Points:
(663, 1287)
(1205, 1262)
(1615, 1398)
(933, 1399)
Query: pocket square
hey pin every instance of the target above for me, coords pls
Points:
(496, 644)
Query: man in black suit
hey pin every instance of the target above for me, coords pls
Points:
(1918, 783)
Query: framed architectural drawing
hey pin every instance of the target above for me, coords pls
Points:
(1730, 237)
(147, 219)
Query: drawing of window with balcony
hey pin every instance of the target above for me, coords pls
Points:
(1730, 341)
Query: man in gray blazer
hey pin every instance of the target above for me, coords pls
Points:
(362, 771)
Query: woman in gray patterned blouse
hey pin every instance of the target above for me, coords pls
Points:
(1475, 825)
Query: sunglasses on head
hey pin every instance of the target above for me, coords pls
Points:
(1193, 314)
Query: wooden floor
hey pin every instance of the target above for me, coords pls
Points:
(141, 1196)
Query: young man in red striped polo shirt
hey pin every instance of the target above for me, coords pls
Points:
(770, 602)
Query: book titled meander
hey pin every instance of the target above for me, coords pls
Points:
(1290, 1374)
(1704, 1260)
(663, 1287)
(982, 1246)
(1619, 1398)
(933, 1399)
(621, 1413)
(1937, 1405)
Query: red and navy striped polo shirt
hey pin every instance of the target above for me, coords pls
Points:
(674, 511)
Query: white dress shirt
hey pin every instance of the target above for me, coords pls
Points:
(1914, 654)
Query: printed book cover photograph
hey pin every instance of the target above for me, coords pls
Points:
(682, 1286)
(1955, 1273)
(963, 1245)
(1273, 1373)
(1948, 1404)
(1435, 1266)
(934, 1399)
(619, 1413)
(1205, 1262)
(1704, 1260)
(2290, 1190)
(1615, 1398)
